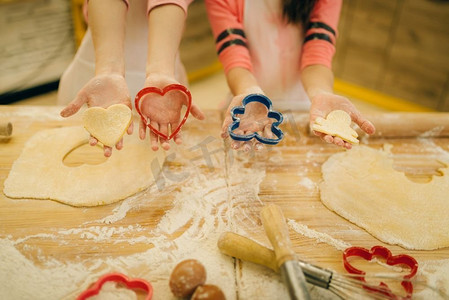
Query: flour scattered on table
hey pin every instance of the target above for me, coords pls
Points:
(35, 113)
(319, 236)
(307, 183)
(436, 274)
(203, 207)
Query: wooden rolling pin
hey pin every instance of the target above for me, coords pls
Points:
(408, 124)
(241, 247)
(238, 246)
(277, 231)
(5, 129)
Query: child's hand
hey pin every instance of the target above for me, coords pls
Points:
(324, 103)
(164, 113)
(103, 91)
(254, 119)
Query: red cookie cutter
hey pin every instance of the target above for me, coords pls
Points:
(135, 283)
(162, 92)
(391, 260)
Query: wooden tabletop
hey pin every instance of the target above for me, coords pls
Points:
(203, 190)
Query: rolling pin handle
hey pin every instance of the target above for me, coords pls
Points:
(5, 129)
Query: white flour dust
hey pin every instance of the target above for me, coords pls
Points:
(198, 241)
(307, 183)
(35, 113)
(436, 274)
(434, 132)
(119, 212)
(258, 282)
(203, 208)
(318, 236)
(21, 279)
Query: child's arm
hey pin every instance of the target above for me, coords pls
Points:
(316, 69)
(225, 18)
(242, 83)
(165, 28)
(318, 82)
(107, 20)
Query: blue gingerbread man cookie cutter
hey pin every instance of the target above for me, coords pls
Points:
(272, 114)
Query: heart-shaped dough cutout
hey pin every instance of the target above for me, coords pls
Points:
(337, 123)
(107, 125)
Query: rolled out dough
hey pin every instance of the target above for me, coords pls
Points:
(362, 186)
(39, 172)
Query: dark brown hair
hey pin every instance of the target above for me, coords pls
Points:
(297, 11)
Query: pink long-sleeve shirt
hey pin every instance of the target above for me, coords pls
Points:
(227, 21)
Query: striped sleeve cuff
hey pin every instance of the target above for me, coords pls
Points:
(229, 38)
(232, 49)
(320, 31)
(317, 52)
(238, 57)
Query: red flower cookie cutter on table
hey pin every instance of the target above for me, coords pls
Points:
(391, 260)
(162, 92)
(135, 283)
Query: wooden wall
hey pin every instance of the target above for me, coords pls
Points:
(397, 47)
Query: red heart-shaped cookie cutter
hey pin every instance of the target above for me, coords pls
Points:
(391, 260)
(135, 283)
(162, 92)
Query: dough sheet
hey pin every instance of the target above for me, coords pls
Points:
(362, 186)
(39, 172)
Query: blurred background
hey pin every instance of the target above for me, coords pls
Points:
(391, 54)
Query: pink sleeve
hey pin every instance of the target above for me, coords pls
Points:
(226, 19)
(85, 9)
(320, 37)
(182, 3)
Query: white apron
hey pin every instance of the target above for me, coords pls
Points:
(82, 68)
(275, 50)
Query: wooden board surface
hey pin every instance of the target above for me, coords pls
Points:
(397, 48)
(286, 175)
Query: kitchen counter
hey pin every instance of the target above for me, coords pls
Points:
(203, 190)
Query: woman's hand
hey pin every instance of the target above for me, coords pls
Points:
(255, 119)
(102, 91)
(164, 112)
(325, 102)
